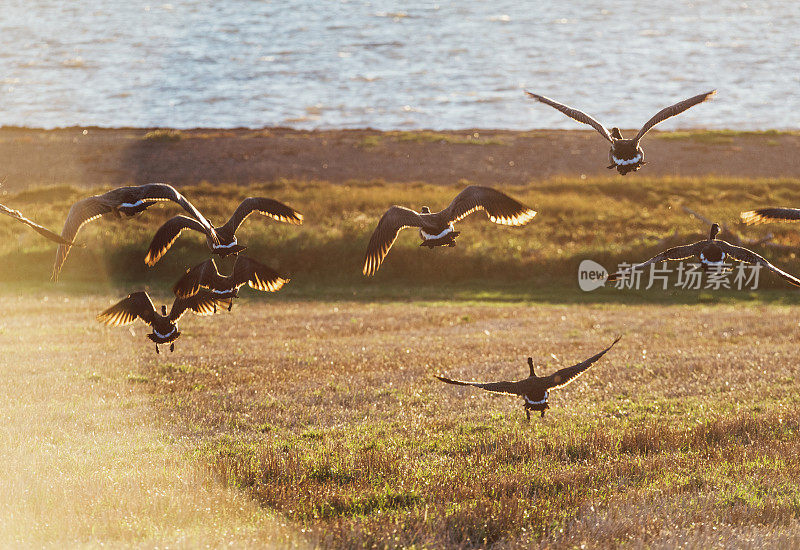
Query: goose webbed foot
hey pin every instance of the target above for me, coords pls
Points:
(611, 166)
(542, 413)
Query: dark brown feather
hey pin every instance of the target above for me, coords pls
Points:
(765, 215)
(391, 223)
(167, 234)
(671, 111)
(499, 207)
(575, 114)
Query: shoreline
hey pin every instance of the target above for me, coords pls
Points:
(94, 157)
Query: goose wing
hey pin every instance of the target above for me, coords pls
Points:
(391, 223)
(167, 234)
(671, 111)
(575, 114)
(256, 275)
(497, 387)
(568, 374)
(198, 276)
(17, 215)
(127, 310)
(765, 215)
(267, 207)
(81, 213)
(202, 303)
(154, 192)
(674, 253)
(500, 208)
(750, 257)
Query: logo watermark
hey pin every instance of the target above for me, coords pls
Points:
(591, 275)
(686, 276)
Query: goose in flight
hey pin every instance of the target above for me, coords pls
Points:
(227, 245)
(535, 390)
(123, 201)
(245, 271)
(165, 330)
(711, 252)
(436, 228)
(625, 154)
(17, 215)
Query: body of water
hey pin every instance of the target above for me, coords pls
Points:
(350, 64)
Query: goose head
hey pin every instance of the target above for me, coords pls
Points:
(425, 210)
(714, 232)
(615, 133)
(164, 310)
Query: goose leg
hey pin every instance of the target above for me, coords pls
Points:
(172, 347)
(542, 413)
(157, 349)
(528, 414)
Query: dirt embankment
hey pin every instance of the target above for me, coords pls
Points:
(97, 157)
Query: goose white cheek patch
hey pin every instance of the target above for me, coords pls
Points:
(708, 262)
(429, 237)
(233, 243)
(622, 162)
(542, 402)
(170, 333)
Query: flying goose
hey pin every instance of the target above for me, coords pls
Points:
(127, 201)
(17, 215)
(766, 215)
(227, 245)
(625, 154)
(165, 329)
(436, 228)
(245, 270)
(535, 390)
(711, 252)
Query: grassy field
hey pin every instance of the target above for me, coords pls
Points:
(319, 402)
(327, 413)
(610, 221)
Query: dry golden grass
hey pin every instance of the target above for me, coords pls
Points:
(687, 431)
(83, 462)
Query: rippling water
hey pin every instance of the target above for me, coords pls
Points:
(311, 64)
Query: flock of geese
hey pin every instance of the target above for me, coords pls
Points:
(203, 289)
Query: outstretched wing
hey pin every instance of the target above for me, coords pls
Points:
(499, 207)
(392, 222)
(163, 192)
(127, 310)
(268, 207)
(17, 215)
(674, 253)
(750, 257)
(671, 111)
(194, 278)
(765, 215)
(202, 303)
(257, 275)
(168, 234)
(81, 213)
(568, 374)
(498, 387)
(580, 116)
